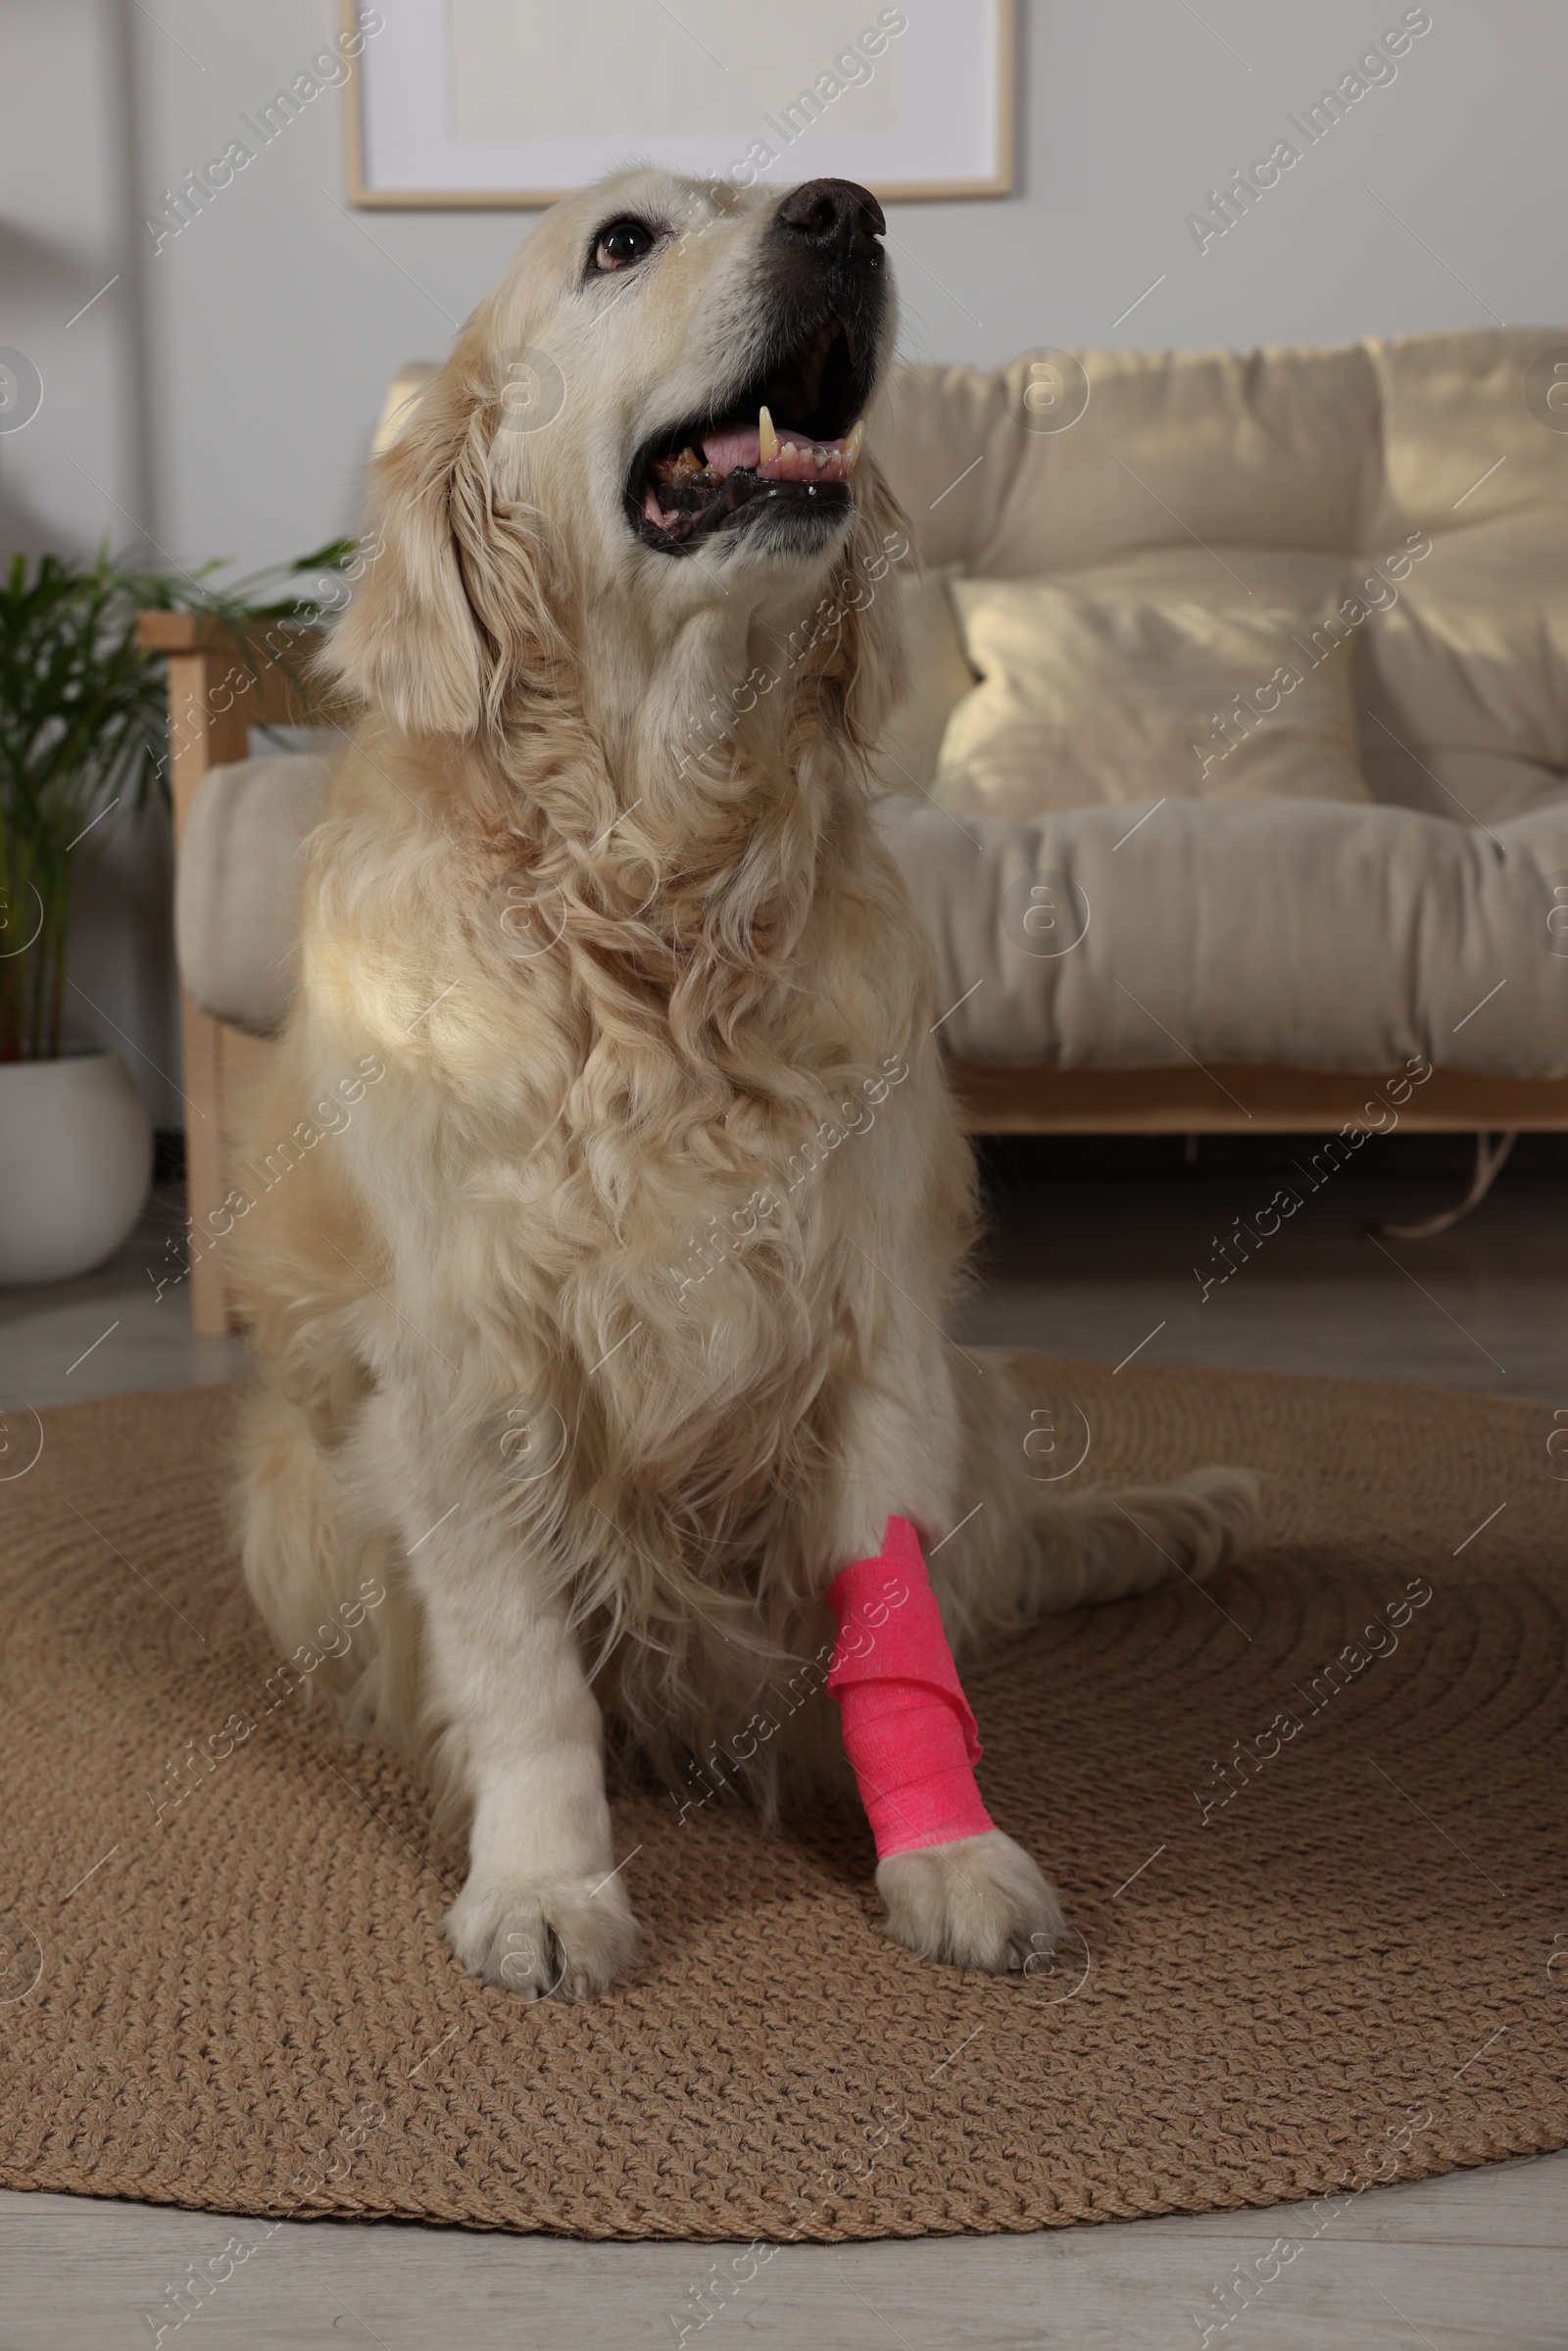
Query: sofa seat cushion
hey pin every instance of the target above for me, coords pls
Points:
(1091, 698)
(1324, 936)
(1306, 933)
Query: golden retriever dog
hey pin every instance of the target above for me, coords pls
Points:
(611, 1326)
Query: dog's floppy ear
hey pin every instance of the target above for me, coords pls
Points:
(409, 643)
(450, 621)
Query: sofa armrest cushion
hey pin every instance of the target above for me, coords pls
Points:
(237, 886)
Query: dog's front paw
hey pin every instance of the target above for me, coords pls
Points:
(977, 1902)
(570, 1938)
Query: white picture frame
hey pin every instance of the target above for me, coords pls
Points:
(509, 103)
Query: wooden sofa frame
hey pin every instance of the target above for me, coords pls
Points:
(214, 700)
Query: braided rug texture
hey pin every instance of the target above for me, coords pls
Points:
(1351, 1967)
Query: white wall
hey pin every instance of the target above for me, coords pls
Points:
(220, 394)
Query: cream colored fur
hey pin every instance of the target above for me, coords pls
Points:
(617, 990)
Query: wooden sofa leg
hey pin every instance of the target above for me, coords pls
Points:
(207, 723)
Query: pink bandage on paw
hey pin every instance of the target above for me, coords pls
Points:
(907, 1729)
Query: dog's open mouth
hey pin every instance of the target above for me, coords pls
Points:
(787, 442)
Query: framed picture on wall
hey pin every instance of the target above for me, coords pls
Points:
(501, 103)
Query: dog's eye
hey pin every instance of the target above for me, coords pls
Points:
(623, 243)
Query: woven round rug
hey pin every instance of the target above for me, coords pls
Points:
(1309, 1825)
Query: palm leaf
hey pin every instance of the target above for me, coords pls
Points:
(83, 740)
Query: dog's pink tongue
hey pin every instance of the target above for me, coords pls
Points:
(796, 459)
(739, 445)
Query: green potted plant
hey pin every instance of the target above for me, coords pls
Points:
(82, 748)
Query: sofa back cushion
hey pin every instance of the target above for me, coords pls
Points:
(1467, 433)
(1270, 449)
(1218, 478)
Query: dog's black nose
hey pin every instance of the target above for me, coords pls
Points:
(836, 215)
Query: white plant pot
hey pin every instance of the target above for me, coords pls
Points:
(76, 1161)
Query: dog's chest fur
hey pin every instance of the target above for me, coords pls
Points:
(651, 1197)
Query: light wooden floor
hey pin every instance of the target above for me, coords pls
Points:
(1479, 2259)
(1089, 1267)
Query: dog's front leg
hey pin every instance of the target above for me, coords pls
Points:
(955, 1886)
(542, 1910)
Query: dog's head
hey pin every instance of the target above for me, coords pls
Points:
(650, 434)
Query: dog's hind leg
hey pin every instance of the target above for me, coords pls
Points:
(1032, 1552)
(290, 1519)
(340, 1615)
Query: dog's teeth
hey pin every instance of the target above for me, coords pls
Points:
(821, 458)
(852, 445)
(788, 449)
(767, 438)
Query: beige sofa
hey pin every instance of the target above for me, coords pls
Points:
(1166, 958)
(1323, 934)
